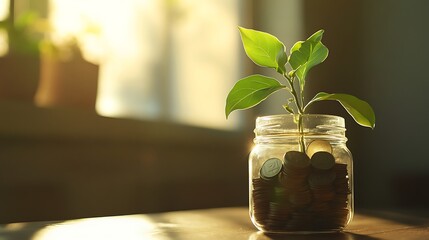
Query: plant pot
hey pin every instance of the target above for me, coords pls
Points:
(67, 83)
(295, 190)
(19, 77)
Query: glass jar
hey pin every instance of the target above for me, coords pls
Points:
(300, 178)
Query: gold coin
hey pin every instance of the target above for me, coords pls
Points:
(318, 146)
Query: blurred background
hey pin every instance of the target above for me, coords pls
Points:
(111, 107)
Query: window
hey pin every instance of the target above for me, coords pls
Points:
(168, 60)
(4, 13)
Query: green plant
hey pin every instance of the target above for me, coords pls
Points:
(29, 34)
(266, 50)
(24, 34)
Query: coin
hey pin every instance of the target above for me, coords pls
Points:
(299, 195)
(325, 195)
(271, 168)
(318, 146)
(296, 159)
(317, 179)
(322, 160)
(300, 198)
(261, 194)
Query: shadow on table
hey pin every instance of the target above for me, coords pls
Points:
(413, 217)
(321, 236)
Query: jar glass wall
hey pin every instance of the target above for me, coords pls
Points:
(296, 190)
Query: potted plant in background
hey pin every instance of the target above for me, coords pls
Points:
(19, 67)
(38, 69)
(300, 169)
(67, 79)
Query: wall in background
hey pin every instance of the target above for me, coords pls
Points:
(378, 52)
(63, 164)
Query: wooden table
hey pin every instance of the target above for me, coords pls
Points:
(221, 223)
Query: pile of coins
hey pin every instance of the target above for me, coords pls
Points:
(301, 194)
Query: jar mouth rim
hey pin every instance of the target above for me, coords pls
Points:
(311, 115)
(318, 119)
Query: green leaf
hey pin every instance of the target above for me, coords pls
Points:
(250, 91)
(360, 110)
(288, 108)
(264, 49)
(304, 55)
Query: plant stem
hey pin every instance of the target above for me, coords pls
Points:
(302, 100)
(299, 105)
(301, 133)
(294, 93)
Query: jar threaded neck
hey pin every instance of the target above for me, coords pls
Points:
(280, 128)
